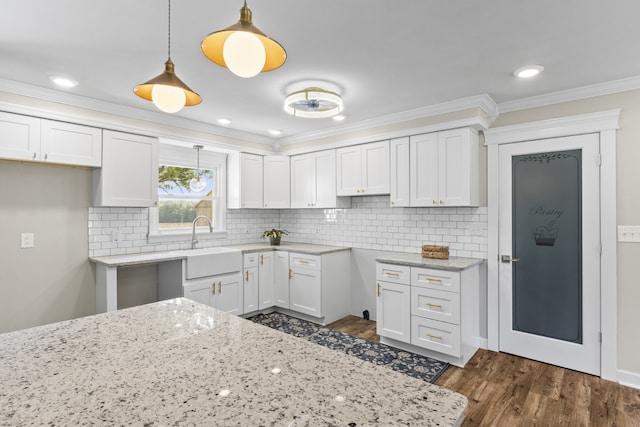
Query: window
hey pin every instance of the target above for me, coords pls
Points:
(178, 202)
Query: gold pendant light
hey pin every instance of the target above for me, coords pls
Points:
(244, 49)
(166, 90)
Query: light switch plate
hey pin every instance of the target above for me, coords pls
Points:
(628, 233)
(26, 240)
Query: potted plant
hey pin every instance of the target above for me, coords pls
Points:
(274, 236)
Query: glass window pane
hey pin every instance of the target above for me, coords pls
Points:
(175, 180)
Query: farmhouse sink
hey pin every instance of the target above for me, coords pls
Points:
(212, 261)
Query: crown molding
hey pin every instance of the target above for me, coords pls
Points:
(552, 128)
(51, 95)
(484, 102)
(607, 88)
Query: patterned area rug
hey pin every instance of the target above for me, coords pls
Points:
(414, 365)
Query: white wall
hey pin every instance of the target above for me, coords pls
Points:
(54, 280)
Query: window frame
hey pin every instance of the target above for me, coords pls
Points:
(185, 156)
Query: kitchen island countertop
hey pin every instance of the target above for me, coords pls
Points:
(180, 362)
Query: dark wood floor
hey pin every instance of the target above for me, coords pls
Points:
(506, 390)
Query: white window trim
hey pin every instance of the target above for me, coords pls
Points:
(187, 157)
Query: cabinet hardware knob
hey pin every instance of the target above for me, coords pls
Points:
(261, 259)
(433, 202)
(290, 274)
(357, 190)
(378, 288)
(247, 275)
(392, 203)
(433, 279)
(213, 288)
(429, 304)
(441, 202)
(45, 156)
(219, 287)
(34, 155)
(438, 337)
(362, 191)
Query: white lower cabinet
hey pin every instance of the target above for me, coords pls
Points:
(223, 292)
(266, 280)
(429, 311)
(306, 284)
(251, 289)
(281, 279)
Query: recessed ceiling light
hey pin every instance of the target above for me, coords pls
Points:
(63, 81)
(275, 132)
(223, 121)
(339, 117)
(528, 71)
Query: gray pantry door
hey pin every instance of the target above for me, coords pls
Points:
(549, 226)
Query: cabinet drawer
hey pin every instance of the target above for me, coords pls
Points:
(435, 279)
(434, 304)
(438, 336)
(251, 260)
(312, 262)
(393, 273)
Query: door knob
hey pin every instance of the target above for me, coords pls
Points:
(508, 259)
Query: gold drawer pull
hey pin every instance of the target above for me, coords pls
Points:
(378, 289)
(213, 288)
(430, 304)
(219, 287)
(391, 273)
(290, 274)
(261, 259)
(433, 279)
(303, 261)
(247, 275)
(437, 337)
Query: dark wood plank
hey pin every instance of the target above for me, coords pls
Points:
(507, 390)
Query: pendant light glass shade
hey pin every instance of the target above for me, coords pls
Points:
(244, 49)
(197, 184)
(166, 90)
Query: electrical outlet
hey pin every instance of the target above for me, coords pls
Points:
(115, 236)
(26, 240)
(628, 233)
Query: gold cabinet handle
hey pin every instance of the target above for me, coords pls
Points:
(433, 202)
(433, 279)
(391, 273)
(362, 191)
(247, 275)
(290, 274)
(219, 287)
(303, 261)
(378, 289)
(213, 288)
(430, 304)
(357, 190)
(261, 259)
(437, 337)
(392, 203)
(441, 202)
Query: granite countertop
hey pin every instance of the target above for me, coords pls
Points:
(154, 257)
(180, 362)
(416, 260)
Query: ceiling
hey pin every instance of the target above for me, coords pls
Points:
(386, 57)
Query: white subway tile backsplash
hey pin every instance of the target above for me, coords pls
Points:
(369, 224)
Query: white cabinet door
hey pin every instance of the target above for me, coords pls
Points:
(266, 280)
(129, 172)
(201, 290)
(306, 291)
(458, 175)
(375, 168)
(302, 181)
(70, 144)
(423, 170)
(281, 279)
(229, 293)
(399, 172)
(349, 170)
(19, 137)
(250, 291)
(251, 181)
(277, 182)
(393, 311)
(325, 179)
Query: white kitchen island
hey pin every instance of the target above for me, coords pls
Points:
(177, 362)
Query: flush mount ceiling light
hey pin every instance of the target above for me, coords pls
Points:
(528, 71)
(243, 48)
(197, 184)
(313, 102)
(63, 81)
(166, 90)
(223, 121)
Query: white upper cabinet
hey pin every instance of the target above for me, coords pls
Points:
(244, 181)
(277, 188)
(129, 173)
(444, 168)
(313, 181)
(399, 172)
(31, 138)
(363, 169)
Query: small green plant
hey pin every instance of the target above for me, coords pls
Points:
(274, 233)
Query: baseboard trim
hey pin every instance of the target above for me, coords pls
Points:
(629, 379)
(483, 343)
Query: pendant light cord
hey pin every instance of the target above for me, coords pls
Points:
(169, 31)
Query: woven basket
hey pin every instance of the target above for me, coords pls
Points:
(435, 252)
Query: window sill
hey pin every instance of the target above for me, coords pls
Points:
(185, 236)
